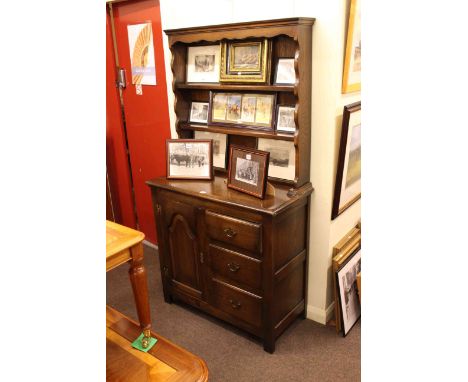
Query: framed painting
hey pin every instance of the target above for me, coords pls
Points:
(348, 173)
(219, 146)
(282, 158)
(248, 170)
(285, 73)
(285, 119)
(189, 159)
(245, 61)
(203, 63)
(352, 62)
(348, 295)
(199, 112)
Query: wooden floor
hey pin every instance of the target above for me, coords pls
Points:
(164, 362)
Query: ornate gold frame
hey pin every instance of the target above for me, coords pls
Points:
(229, 74)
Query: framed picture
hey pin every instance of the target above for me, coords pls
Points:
(219, 146)
(199, 112)
(285, 119)
(342, 250)
(248, 170)
(189, 159)
(282, 163)
(348, 292)
(348, 173)
(285, 73)
(203, 63)
(245, 61)
(243, 110)
(352, 62)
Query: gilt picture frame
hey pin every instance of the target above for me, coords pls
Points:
(352, 61)
(348, 173)
(245, 61)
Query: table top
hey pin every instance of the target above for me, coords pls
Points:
(118, 240)
(163, 362)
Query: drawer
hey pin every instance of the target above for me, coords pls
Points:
(235, 266)
(234, 231)
(238, 303)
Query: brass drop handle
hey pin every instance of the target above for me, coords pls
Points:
(235, 304)
(233, 267)
(230, 233)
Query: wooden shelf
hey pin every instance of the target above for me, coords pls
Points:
(237, 131)
(217, 87)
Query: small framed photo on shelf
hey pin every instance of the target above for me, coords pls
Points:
(254, 111)
(219, 146)
(246, 61)
(203, 63)
(199, 112)
(189, 159)
(285, 73)
(348, 294)
(282, 158)
(248, 170)
(348, 172)
(285, 119)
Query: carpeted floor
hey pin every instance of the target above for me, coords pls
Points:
(307, 351)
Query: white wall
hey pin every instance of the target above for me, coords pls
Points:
(327, 108)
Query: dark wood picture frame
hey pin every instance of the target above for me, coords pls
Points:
(338, 206)
(258, 187)
(243, 124)
(352, 265)
(188, 159)
(260, 74)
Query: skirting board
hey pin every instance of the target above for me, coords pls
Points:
(154, 246)
(322, 316)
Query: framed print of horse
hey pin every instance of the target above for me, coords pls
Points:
(189, 158)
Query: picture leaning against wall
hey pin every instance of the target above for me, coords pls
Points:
(348, 174)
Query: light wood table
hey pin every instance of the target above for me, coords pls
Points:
(163, 362)
(123, 245)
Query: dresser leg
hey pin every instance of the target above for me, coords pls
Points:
(269, 345)
(137, 273)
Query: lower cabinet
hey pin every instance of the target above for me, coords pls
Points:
(245, 264)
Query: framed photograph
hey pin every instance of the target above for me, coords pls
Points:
(348, 173)
(219, 146)
(203, 63)
(352, 62)
(199, 112)
(255, 111)
(248, 170)
(285, 119)
(245, 61)
(348, 291)
(282, 163)
(285, 73)
(189, 159)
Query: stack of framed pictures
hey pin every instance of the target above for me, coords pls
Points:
(346, 267)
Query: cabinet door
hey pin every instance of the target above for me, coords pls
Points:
(182, 252)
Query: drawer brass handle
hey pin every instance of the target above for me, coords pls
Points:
(230, 233)
(233, 267)
(235, 304)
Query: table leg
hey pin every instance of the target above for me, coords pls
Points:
(137, 274)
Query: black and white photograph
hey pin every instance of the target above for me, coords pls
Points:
(247, 171)
(199, 112)
(219, 146)
(348, 291)
(285, 119)
(189, 159)
(282, 157)
(285, 73)
(203, 63)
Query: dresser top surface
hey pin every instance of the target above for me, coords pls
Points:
(217, 190)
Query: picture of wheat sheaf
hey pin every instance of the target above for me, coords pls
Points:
(140, 52)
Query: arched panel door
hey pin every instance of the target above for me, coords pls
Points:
(184, 256)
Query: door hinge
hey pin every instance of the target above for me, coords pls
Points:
(121, 78)
(158, 208)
